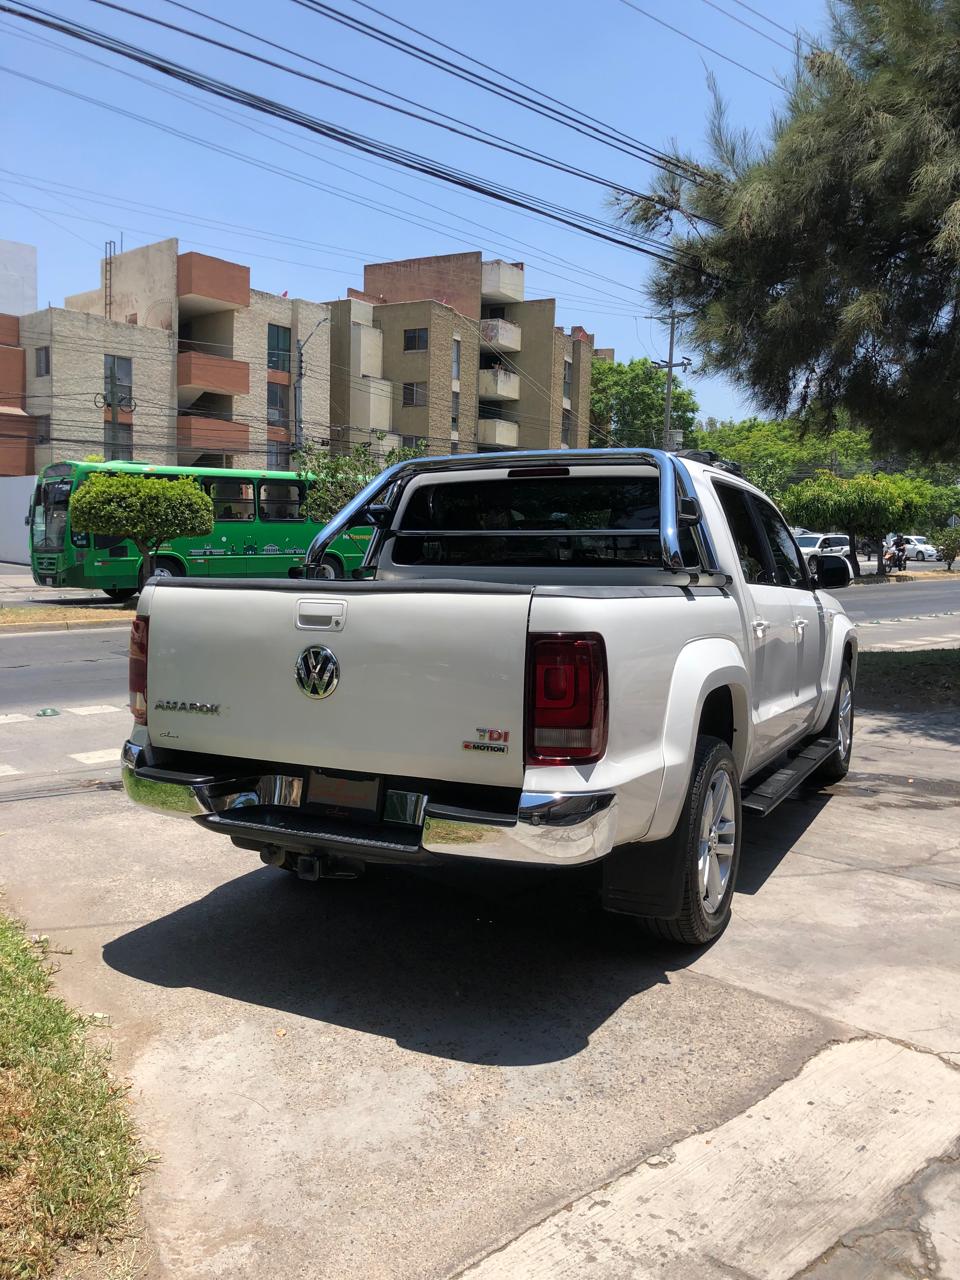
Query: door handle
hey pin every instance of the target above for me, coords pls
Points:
(760, 625)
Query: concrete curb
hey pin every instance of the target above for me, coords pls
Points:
(14, 628)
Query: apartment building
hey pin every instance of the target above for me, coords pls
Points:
(172, 359)
(447, 350)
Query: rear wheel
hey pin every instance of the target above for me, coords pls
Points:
(840, 728)
(331, 567)
(921, 556)
(708, 841)
(164, 568)
(120, 593)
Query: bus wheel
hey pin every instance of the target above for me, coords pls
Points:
(120, 593)
(164, 568)
(331, 568)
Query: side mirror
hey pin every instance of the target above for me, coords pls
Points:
(833, 572)
(379, 514)
(688, 512)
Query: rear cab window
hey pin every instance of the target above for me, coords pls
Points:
(535, 521)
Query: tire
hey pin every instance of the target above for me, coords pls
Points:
(710, 874)
(837, 765)
(332, 568)
(921, 556)
(120, 594)
(164, 568)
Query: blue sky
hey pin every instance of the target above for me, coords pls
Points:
(75, 174)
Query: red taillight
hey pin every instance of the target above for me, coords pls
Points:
(138, 669)
(566, 699)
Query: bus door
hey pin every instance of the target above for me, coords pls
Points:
(230, 549)
(284, 532)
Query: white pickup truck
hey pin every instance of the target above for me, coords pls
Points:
(556, 658)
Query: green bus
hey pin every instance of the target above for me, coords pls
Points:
(259, 531)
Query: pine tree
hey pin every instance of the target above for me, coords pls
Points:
(822, 264)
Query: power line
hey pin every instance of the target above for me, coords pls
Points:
(539, 103)
(709, 47)
(773, 22)
(349, 138)
(277, 133)
(765, 35)
(452, 124)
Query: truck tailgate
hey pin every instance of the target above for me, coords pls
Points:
(431, 682)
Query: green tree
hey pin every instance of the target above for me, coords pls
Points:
(334, 478)
(821, 264)
(146, 509)
(627, 404)
(775, 454)
(948, 544)
(862, 506)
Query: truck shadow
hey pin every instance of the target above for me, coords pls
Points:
(471, 964)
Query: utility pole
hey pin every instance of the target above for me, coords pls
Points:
(298, 385)
(670, 364)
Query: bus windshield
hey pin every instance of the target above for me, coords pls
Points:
(51, 501)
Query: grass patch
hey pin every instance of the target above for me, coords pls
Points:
(20, 613)
(68, 1153)
(920, 680)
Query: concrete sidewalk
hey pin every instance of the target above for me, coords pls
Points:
(412, 1075)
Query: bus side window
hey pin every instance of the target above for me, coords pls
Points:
(280, 500)
(232, 499)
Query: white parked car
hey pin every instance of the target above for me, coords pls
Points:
(918, 547)
(547, 659)
(815, 545)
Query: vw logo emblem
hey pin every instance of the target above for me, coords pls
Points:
(318, 672)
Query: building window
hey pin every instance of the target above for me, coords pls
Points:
(566, 427)
(456, 359)
(119, 368)
(455, 411)
(43, 362)
(43, 429)
(278, 455)
(117, 442)
(415, 339)
(414, 395)
(410, 442)
(278, 404)
(278, 347)
(567, 378)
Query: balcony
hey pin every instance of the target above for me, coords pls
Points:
(210, 284)
(199, 371)
(498, 433)
(498, 384)
(499, 335)
(501, 281)
(198, 434)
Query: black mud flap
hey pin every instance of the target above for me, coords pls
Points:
(645, 879)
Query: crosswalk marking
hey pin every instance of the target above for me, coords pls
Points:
(13, 717)
(98, 709)
(110, 756)
(7, 770)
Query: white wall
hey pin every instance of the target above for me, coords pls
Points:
(15, 494)
(18, 278)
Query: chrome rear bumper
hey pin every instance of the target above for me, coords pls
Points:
(549, 828)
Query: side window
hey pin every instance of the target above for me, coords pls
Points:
(280, 500)
(751, 551)
(232, 499)
(787, 560)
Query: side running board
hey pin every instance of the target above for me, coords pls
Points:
(766, 795)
